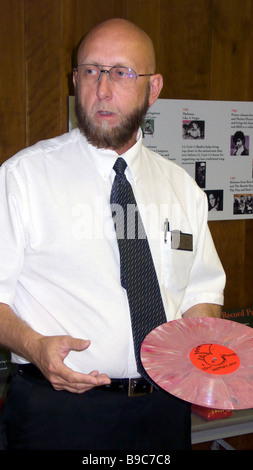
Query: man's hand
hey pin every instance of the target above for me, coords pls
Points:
(52, 352)
(47, 353)
(204, 310)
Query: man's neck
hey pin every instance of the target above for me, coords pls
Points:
(127, 146)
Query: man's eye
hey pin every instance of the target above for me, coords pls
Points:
(121, 73)
(90, 72)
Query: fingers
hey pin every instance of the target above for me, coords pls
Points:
(53, 351)
(76, 382)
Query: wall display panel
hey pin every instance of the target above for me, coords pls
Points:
(213, 142)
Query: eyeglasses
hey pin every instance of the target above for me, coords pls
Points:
(123, 76)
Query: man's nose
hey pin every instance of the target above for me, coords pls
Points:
(104, 85)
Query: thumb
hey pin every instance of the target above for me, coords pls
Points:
(77, 344)
(69, 343)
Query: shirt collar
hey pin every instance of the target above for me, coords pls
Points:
(104, 159)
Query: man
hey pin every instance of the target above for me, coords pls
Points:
(64, 311)
(239, 143)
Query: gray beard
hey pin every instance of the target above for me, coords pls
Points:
(105, 137)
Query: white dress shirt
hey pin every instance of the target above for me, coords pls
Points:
(59, 268)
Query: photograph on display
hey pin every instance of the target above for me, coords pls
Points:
(193, 129)
(148, 127)
(243, 204)
(200, 174)
(239, 144)
(215, 200)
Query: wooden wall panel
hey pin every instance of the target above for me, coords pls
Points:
(186, 37)
(229, 238)
(77, 17)
(146, 14)
(248, 278)
(231, 49)
(12, 78)
(42, 69)
(250, 97)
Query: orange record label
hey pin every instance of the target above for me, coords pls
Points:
(215, 359)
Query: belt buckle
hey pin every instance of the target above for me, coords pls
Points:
(138, 387)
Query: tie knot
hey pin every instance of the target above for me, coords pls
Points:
(120, 166)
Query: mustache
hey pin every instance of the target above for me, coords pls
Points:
(100, 108)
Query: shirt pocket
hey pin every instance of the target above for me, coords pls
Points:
(175, 266)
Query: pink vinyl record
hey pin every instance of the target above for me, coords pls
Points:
(204, 360)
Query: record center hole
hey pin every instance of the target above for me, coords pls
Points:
(214, 359)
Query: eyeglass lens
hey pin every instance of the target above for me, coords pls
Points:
(121, 75)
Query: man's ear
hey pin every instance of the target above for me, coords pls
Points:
(156, 84)
(74, 78)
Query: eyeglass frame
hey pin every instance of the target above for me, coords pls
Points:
(113, 67)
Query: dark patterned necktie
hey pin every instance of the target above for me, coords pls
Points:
(138, 275)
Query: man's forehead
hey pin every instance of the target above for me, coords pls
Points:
(102, 54)
(117, 46)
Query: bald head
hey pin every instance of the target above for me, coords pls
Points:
(120, 33)
(110, 114)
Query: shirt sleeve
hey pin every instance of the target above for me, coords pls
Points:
(12, 239)
(207, 277)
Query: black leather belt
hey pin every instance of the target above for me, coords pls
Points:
(30, 371)
(133, 387)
